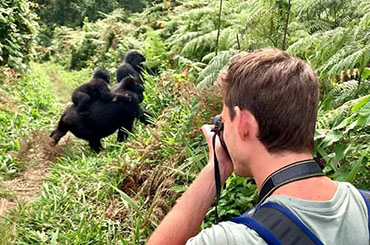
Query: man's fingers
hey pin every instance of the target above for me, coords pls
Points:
(206, 129)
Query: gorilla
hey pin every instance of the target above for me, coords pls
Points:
(130, 85)
(131, 66)
(96, 89)
(104, 117)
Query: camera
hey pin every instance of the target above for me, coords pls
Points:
(219, 130)
(217, 121)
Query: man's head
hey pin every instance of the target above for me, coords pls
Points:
(277, 91)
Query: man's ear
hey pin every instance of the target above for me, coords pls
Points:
(246, 123)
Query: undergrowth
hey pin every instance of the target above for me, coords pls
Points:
(120, 195)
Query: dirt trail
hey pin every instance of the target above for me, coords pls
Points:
(61, 90)
(37, 152)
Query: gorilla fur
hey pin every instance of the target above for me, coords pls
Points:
(131, 66)
(130, 85)
(104, 117)
(96, 89)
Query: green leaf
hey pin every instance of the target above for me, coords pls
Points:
(339, 151)
(179, 188)
(345, 122)
(365, 111)
(342, 173)
(352, 175)
(365, 73)
(332, 137)
(350, 127)
(363, 120)
(358, 105)
(128, 200)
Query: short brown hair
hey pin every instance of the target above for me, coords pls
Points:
(281, 91)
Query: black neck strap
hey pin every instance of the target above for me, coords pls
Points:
(217, 177)
(293, 172)
(218, 132)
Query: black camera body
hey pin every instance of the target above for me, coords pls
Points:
(219, 130)
(217, 121)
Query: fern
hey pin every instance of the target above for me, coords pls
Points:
(356, 58)
(209, 75)
(333, 118)
(204, 44)
(363, 25)
(179, 40)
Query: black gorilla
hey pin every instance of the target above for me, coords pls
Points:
(131, 66)
(96, 89)
(104, 117)
(129, 85)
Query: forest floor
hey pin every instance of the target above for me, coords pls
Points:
(23, 189)
(68, 193)
(37, 152)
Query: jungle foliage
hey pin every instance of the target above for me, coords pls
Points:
(122, 193)
(18, 29)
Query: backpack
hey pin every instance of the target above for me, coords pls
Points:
(278, 225)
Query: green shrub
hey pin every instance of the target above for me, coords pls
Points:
(18, 28)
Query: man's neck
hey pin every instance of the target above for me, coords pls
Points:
(266, 165)
(306, 189)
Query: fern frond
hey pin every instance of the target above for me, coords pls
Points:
(344, 92)
(364, 6)
(209, 75)
(350, 61)
(207, 43)
(315, 40)
(333, 117)
(364, 24)
(250, 12)
(178, 41)
(337, 58)
(201, 42)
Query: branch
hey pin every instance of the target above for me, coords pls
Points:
(286, 26)
(219, 26)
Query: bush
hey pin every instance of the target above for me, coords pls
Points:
(18, 29)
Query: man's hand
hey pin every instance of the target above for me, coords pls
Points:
(224, 160)
(186, 217)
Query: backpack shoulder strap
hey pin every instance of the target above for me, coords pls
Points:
(281, 223)
(261, 230)
(366, 196)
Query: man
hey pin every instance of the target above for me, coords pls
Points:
(269, 114)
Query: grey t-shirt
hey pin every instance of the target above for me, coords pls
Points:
(341, 220)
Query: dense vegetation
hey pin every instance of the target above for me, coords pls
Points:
(47, 48)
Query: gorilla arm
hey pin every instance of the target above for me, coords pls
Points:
(102, 90)
(144, 117)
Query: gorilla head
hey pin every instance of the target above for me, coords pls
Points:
(102, 73)
(135, 59)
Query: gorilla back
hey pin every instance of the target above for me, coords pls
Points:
(104, 119)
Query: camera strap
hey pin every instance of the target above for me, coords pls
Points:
(293, 172)
(217, 177)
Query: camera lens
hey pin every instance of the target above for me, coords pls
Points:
(219, 127)
(217, 121)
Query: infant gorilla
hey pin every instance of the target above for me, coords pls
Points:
(103, 117)
(96, 89)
